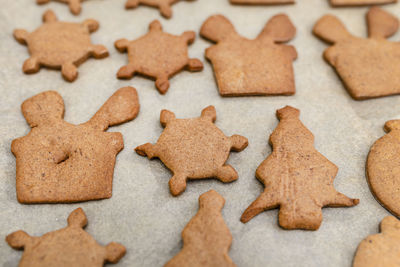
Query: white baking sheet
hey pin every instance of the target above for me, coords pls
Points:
(142, 214)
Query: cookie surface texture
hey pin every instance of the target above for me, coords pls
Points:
(383, 168)
(74, 5)
(146, 53)
(262, 2)
(360, 2)
(206, 238)
(298, 179)
(69, 246)
(163, 5)
(262, 66)
(380, 250)
(194, 149)
(60, 45)
(368, 67)
(58, 162)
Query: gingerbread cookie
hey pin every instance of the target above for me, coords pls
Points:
(163, 5)
(74, 5)
(194, 149)
(146, 53)
(60, 45)
(206, 238)
(383, 168)
(368, 67)
(69, 246)
(360, 2)
(297, 178)
(261, 66)
(382, 249)
(262, 2)
(60, 162)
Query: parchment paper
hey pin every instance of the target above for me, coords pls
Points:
(142, 214)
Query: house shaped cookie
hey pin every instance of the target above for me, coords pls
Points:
(368, 67)
(262, 66)
(59, 162)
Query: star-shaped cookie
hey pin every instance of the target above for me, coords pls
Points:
(60, 45)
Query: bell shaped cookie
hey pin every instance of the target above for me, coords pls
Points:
(380, 250)
(368, 67)
(158, 55)
(60, 45)
(383, 168)
(58, 162)
(163, 5)
(243, 67)
(74, 5)
(69, 246)
(298, 179)
(194, 149)
(206, 238)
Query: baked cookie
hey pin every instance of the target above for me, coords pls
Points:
(243, 67)
(74, 5)
(146, 53)
(163, 5)
(60, 45)
(262, 2)
(360, 2)
(60, 162)
(206, 238)
(194, 149)
(69, 246)
(383, 168)
(380, 250)
(297, 178)
(368, 67)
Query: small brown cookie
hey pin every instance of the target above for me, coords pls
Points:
(383, 168)
(262, 2)
(194, 149)
(297, 178)
(74, 5)
(206, 238)
(380, 250)
(163, 5)
(368, 67)
(251, 67)
(60, 162)
(339, 3)
(60, 45)
(146, 54)
(69, 246)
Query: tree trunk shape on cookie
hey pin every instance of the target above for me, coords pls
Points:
(206, 238)
(297, 178)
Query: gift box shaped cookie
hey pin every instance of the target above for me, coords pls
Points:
(368, 67)
(262, 66)
(58, 162)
